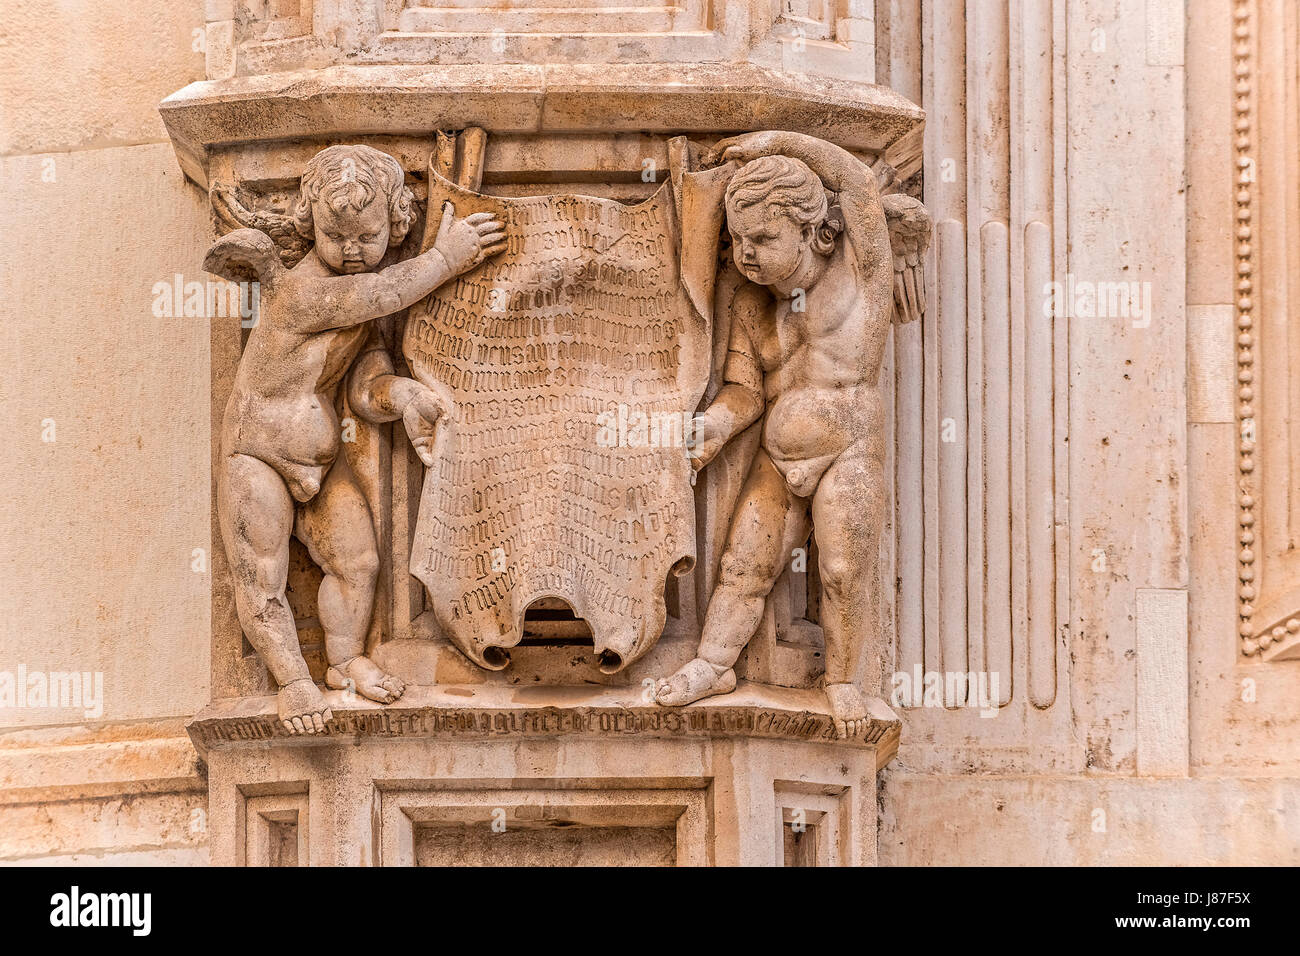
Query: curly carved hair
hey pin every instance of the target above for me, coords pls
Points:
(349, 177)
(788, 186)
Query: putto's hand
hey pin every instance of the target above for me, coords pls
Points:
(702, 429)
(464, 243)
(705, 452)
(743, 148)
(422, 415)
(706, 441)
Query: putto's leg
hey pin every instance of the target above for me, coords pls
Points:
(336, 527)
(255, 512)
(848, 510)
(767, 523)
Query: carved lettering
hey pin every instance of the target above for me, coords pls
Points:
(583, 318)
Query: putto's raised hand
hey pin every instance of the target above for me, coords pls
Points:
(464, 243)
(744, 148)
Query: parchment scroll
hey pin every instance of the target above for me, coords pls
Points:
(576, 359)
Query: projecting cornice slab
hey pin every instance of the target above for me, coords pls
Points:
(652, 98)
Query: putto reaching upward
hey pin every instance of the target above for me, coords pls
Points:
(808, 336)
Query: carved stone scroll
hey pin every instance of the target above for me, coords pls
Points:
(576, 360)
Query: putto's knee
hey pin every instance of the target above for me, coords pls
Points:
(268, 609)
(261, 605)
(360, 568)
(839, 575)
(743, 573)
(268, 579)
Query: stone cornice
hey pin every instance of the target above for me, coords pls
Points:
(575, 98)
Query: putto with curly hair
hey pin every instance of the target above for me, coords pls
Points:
(806, 343)
(281, 437)
(348, 178)
(787, 186)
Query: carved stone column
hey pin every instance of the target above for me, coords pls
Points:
(528, 721)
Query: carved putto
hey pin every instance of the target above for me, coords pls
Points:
(807, 336)
(280, 472)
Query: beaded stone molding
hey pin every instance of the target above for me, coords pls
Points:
(1243, 62)
(1273, 634)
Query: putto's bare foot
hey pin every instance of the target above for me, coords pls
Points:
(696, 679)
(848, 710)
(302, 707)
(364, 676)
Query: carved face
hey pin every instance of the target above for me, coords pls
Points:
(768, 244)
(350, 241)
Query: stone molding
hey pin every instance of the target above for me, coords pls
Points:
(447, 711)
(651, 98)
(1265, 163)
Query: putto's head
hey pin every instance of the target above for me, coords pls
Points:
(776, 211)
(353, 203)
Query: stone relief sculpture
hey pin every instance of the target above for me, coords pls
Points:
(280, 472)
(560, 382)
(472, 544)
(807, 341)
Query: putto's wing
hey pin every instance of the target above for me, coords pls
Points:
(233, 214)
(244, 255)
(909, 238)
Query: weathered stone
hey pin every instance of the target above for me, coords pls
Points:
(1060, 586)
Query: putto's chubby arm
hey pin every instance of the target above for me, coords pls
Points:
(340, 301)
(337, 302)
(246, 255)
(739, 402)
(377, 394)
(839, 169)
(375, 391)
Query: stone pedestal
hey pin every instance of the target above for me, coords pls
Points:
(534, 578)
(545, 775)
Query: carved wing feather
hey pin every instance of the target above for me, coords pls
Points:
(909, 238)
(244, 255)
(233, 214)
